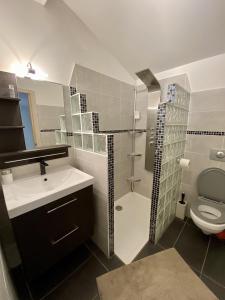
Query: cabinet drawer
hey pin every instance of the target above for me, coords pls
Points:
(50, 232)
(68, 213)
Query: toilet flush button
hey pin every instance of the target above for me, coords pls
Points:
(220, 154)
(217, 154)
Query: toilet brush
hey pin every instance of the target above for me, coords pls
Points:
(181, 207)
(182, 198)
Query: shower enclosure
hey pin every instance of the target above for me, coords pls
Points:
(144, 214)
(132, 211)
(130, 139)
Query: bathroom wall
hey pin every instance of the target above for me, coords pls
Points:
(206, 131)
(122, 163)
(112, 98)
(97, 166)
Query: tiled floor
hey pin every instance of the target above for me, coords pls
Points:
(204, 254)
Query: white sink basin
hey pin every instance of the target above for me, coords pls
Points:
(32, 192)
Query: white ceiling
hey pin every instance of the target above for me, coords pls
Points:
(160, 34)
(53, 39)
(42, 2)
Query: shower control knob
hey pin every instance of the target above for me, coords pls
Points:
(220, 154)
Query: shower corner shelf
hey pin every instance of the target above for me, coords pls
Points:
(133, 179)
(134, 154)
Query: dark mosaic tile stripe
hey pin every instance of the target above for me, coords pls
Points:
(69, 133)
(95, 120)
(73, 90)
(157, 168)
(83, 103)
(110, 149)
(199, 132)
(122, 130)
(49, 130)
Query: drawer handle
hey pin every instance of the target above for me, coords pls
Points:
(64, 236)
(60, 206)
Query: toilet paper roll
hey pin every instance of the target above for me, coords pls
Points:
(184, 163)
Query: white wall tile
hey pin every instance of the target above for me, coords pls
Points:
(209, 121)
(210, 100)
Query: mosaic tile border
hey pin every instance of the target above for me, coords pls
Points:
(161, 117)
(200, 132)
(95, 122)
(69, 133)
(73, 90)
(83, 103)
(50, 130)
(110, 151)
(122, 130)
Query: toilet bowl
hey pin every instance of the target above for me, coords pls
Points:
(208, 210)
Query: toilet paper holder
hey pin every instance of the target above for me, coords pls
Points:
(183, 162)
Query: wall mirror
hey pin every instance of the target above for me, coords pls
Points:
(42, 111)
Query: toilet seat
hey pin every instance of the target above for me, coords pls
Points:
(209, 211)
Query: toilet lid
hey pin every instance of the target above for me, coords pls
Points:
(211, 184)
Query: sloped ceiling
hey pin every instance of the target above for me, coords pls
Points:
(160, 34)
(42, 2)
(53, 38)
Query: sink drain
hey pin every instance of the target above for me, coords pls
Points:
(119, 207)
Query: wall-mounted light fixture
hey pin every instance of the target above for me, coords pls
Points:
(29, 71)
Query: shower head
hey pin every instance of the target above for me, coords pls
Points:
(149, 80)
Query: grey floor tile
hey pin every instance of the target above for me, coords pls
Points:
(148, 249)
(215, 261)
(192, 246)
(58, 273)
(196, 271)
(110, 263)
(218, 290)
(81, 285)
(170, 236)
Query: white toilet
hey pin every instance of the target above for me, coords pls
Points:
(208, 211)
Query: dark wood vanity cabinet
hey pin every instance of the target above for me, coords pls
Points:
(47, 234)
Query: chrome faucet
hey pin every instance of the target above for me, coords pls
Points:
(43, 166)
